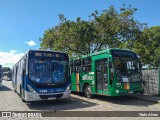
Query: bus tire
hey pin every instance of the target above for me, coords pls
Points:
(87, 91)
(21, 94)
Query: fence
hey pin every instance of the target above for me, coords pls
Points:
(152, 81)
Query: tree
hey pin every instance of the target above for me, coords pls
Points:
(74, 37)
(109, 28)
(118, 29)
(156, 61)
(151, 41)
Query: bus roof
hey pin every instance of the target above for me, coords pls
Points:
(99, 52)
(45, 51)
(36, 51)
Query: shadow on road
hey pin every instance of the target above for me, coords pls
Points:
(124, 100)
(5, 88)
(61, 104)
(121, 100)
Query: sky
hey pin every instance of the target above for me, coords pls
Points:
(23, 22)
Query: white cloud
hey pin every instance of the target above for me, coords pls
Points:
(30, 43)
(8, 59)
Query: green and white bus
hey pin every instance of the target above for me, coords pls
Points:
(111, 72)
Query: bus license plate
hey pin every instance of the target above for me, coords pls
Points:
(51, 98)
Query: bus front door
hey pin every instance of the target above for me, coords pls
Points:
(101, 76)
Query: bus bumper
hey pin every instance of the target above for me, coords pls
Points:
(48, 96)
(125, 92)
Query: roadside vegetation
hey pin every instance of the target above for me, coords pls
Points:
(109, 28)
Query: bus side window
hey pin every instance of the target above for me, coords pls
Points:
(77, 65)
(86, 64)
(72, 67)
(88, 68)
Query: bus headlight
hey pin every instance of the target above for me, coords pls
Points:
(68, 88)
(31, 89)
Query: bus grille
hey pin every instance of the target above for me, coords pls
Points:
(50, 96)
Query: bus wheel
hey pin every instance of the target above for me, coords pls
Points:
(21, 94)
(87, 91)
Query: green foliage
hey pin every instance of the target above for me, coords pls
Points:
(151, 40)
(156, 60)
(73, 37)
(108, 28)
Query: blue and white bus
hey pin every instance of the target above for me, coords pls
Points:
(0, 75)
(42, 75)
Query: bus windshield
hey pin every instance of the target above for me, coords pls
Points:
(48, 71)
(127, 66)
